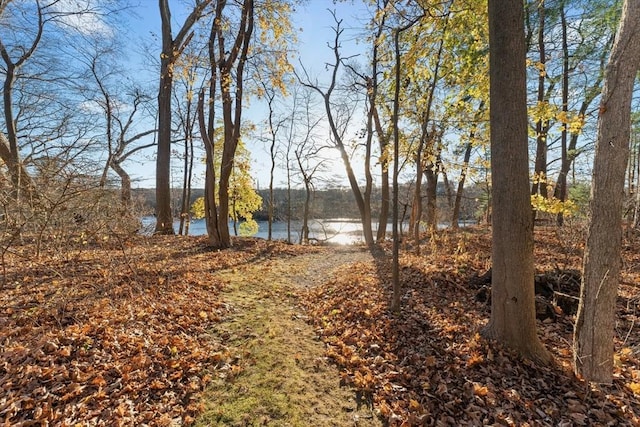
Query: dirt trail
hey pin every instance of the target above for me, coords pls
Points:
(279, 375)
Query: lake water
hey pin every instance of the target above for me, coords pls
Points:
(341, 231)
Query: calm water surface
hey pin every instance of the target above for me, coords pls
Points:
(342, 231)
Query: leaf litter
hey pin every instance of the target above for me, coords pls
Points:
(115, 333)
(428, 364)
(120, 333)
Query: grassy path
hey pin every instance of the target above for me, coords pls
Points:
(279, 375)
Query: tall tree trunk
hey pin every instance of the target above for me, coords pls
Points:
(385, 196)
(362, 199)
(591, 93)
(206, 132)
(9, 150)
(426, 138)
(593, 340)
(171, 49)
(561, 184)
(395, 265)
(513, 320)
(207, 129)
(636, 202)
(539, 185)
(272, 152)
(164, 216)
(231, 113)
(189, 181)
(184, 202)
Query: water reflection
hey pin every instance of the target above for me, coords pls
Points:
(338, 231)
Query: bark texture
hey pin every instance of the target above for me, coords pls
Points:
(513, 320)
(593, 341)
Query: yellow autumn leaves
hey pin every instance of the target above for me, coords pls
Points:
(544, 111)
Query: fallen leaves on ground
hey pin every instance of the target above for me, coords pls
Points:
(428, 364)
(115, 333)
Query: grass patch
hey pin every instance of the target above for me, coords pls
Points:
(280, 376)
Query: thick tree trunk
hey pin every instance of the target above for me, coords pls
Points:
(593, 341)
(231, 113)
(164, 217)
(206, 132)
(20, 180)
(513, 319)
(171, 49)
(13, 161)
(427, 138)
(9, 151)
(432, 198)
(125, 185)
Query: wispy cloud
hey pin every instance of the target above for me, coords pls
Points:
(84, 16)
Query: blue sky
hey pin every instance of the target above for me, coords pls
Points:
(313, 19)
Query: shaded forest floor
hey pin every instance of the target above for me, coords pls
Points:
(163, 331)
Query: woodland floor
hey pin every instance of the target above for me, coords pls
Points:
(163, 331)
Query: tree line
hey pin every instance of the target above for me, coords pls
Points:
(326, 203)
(525, 98)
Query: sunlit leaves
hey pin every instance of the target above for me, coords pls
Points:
(553, 205)
(243, 198)
(546, 112)
(543, 111)
(276, 36)
(120, 335)
(429, 366)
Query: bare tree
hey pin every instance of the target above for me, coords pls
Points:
(227, 60)
(370, 83)
(308, 154)
(13, 61)
(274, 125)
(362, 197)
(122, 111)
